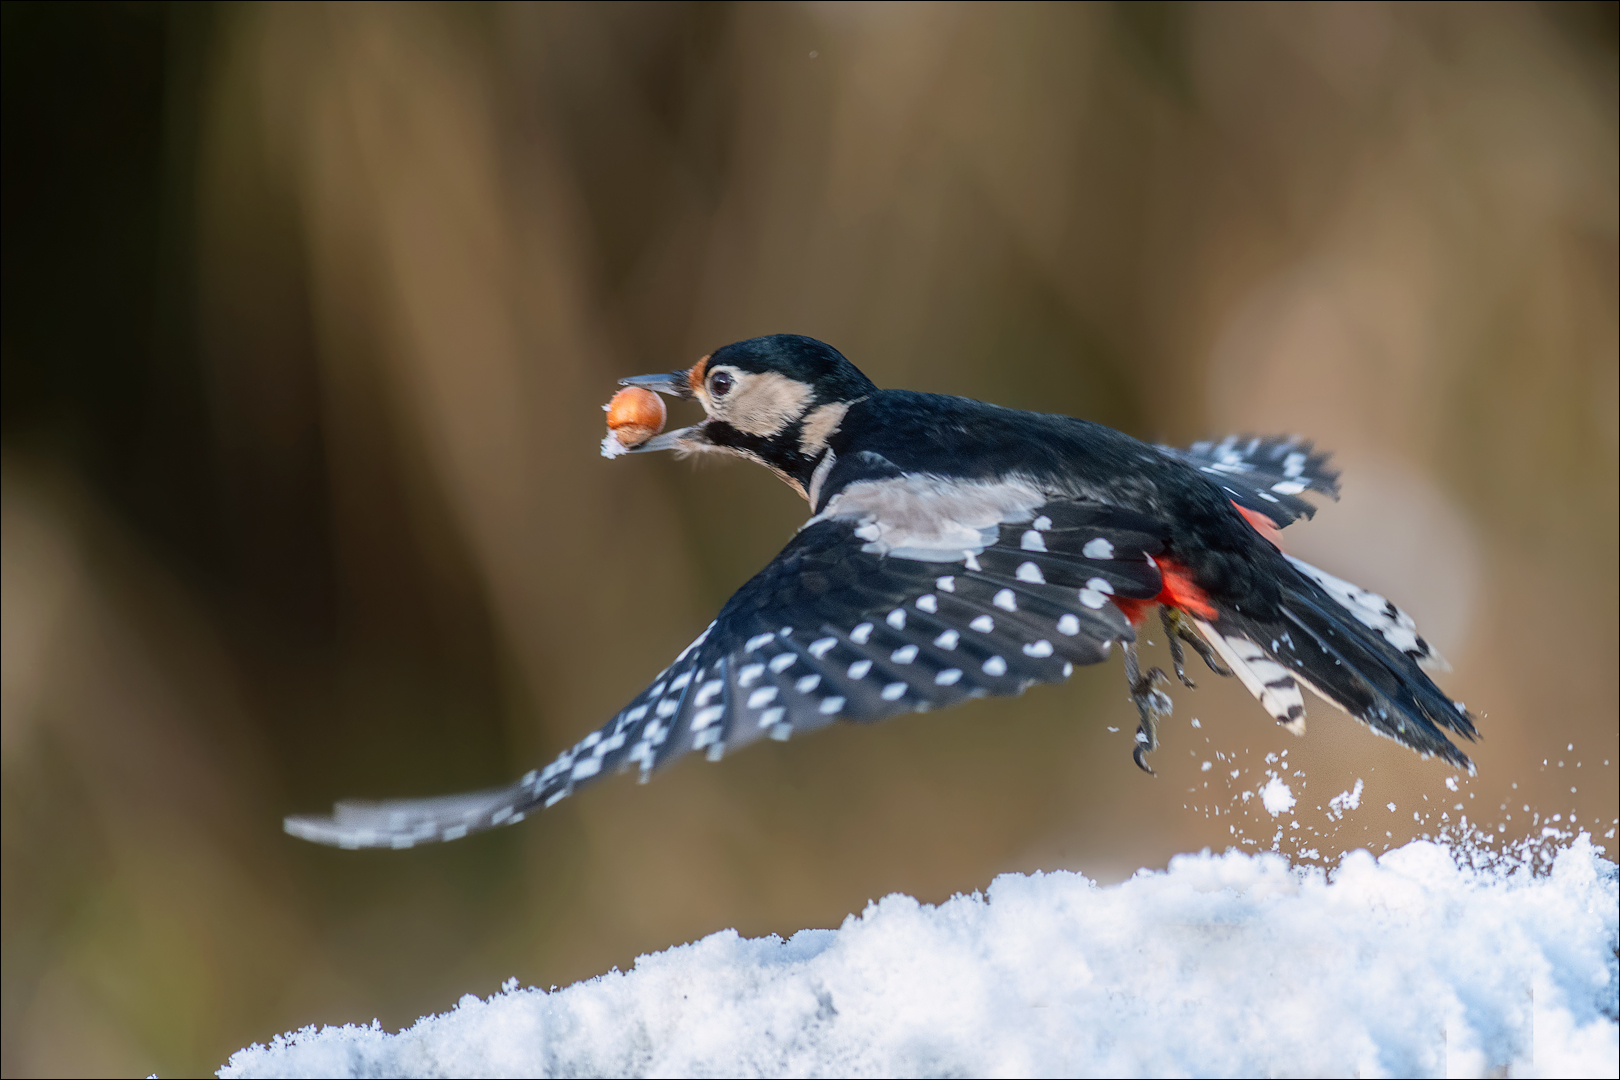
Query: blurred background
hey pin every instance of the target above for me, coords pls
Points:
(309, 312)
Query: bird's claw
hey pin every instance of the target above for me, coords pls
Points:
(1177, 629)
(1151, 704)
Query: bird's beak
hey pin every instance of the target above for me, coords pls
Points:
(675, 384)
(686, 438)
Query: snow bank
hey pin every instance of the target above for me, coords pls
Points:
(1428, 961)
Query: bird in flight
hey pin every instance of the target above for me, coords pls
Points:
(957, 549)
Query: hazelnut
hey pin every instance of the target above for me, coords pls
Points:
(634, 416)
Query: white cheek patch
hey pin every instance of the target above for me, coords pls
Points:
(763, 404)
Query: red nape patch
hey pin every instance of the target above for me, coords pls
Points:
(1179, 591)
(1262, 525)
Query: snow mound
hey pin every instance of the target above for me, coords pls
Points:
(1428, 961)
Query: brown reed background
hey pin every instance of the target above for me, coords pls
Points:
(309, 310)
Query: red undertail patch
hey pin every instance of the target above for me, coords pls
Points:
(1179, 591)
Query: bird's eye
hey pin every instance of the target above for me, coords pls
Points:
(720, 385)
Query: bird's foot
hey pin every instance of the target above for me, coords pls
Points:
(1178, 628)
(1151, 704)
(1172, 634)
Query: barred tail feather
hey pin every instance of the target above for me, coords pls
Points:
(1376, 613)
(1270, 682)
(1351, 648)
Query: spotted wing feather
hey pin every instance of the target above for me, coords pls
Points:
(651, 728)
(1264, 474)
(829, 631)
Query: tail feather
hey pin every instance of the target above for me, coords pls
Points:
(1270, 682)
(1364, 657)
(1373, 611)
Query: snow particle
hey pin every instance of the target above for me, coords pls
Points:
(1277, 797)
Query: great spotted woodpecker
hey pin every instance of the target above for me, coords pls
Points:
(957, 549)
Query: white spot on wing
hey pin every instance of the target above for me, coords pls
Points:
(1005, 600)
(995, 666)
(1030, 572)
(861, 634)
(1098, 548)
(983, 624)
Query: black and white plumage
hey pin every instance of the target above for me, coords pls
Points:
(1267, 476)
(958, 549)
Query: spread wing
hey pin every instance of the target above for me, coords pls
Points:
(836, 627)
(1267, 475)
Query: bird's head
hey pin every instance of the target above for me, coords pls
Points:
(775, 400)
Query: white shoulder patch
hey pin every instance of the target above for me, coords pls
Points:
(931, 518)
